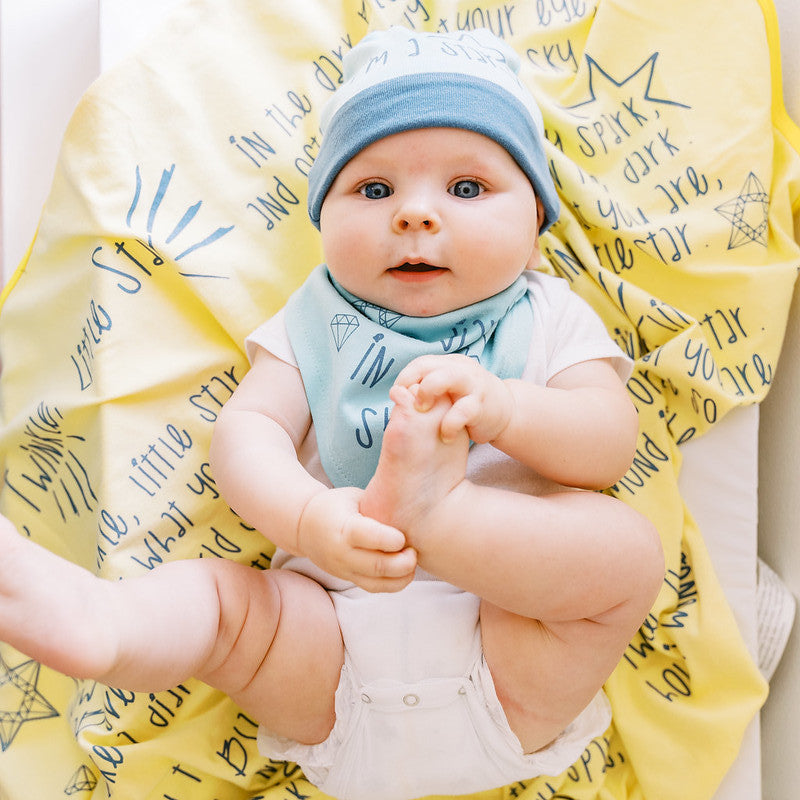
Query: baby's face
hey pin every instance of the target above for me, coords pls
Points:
(428, 221)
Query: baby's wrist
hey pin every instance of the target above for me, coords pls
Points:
(505, 404)
(304, 533)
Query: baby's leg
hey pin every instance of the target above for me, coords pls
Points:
(416, 470)
(565, 580)
(547, 667)
(278, 650)
(269, 639)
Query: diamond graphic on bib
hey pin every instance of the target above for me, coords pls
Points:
(343, 326)
(388, 318)
(385, 317)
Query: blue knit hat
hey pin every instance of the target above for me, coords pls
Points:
(398, 80)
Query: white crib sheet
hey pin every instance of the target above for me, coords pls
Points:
(719, 483)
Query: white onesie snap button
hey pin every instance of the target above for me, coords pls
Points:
(365, 698)
(411, 700)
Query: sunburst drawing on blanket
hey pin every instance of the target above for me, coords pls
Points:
(20, 699)
(176, 228)
(747, 213)
(83, 780)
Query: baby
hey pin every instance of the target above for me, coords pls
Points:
(416, 435)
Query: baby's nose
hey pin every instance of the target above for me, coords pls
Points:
(411, 217)
(404, 224)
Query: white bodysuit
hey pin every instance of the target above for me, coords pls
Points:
(416, 700)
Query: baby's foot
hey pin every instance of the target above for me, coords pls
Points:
(416, 470)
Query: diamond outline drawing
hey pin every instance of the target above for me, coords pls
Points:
(19, 686)
(386, 317)
(343, 326)
(82, 780)
(748, 214)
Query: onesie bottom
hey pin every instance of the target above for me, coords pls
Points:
(407, 736)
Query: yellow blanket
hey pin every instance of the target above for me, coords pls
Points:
(177, 223)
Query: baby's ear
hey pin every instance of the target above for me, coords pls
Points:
(539, 214)
(536, 253)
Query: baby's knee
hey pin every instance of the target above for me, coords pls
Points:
(649, 562)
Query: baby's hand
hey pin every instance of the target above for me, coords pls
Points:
(345, 543)
(482, 404)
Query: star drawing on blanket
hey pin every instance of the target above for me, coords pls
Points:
(343, 326)
(748, 213)
(82, 780)
(20, 699)
(177, 228)
(641, 77)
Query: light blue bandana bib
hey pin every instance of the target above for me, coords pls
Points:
(349, 353)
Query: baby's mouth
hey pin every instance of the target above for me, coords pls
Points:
(420, 267)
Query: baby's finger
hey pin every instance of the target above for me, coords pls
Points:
(383, 584)
(368, 534)
(447, 381)
(459, 417)
(415, 370)
(379, 566)
(435, 373)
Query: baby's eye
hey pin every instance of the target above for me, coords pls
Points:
(375, 190)
(466, 189)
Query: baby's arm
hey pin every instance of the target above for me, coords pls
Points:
(254, 460)
(579, 430)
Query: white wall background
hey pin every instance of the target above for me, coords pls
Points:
(50, 50)
(55, 46)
